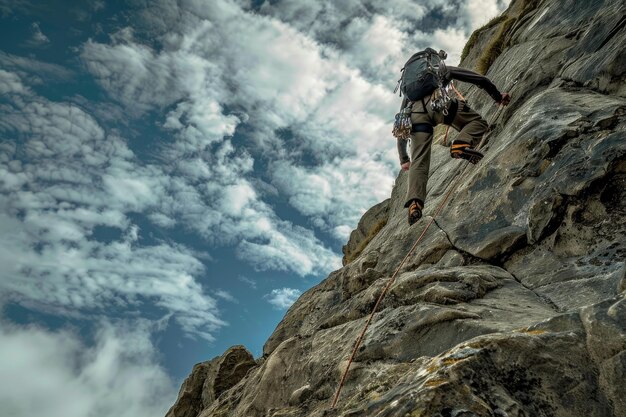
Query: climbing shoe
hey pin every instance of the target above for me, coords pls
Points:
(415, 212)
(464, 150)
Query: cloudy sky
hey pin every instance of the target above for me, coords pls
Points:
(175, 173)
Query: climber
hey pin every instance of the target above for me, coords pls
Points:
(425, 82)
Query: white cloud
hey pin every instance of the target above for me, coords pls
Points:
(55, 374)
(342, 232)
(279, 72)
(377, 35)
(321, 71)
(374, 44)
(248, 281)
(125, 69)
(225, 295)
(451, 40)
(283, 298)
(69, 271)
(283, 79)
(38, 38)
(162, 220)
(11, 83)
(322, 19)
(228, 209)
(236, 197)
(65, 178)
(33, 70)
(337, 193)
(68, 176)
(285, 247)
(475, 13)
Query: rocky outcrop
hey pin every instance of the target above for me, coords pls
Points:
(208, 380)
(514, 303)
(554, 368)
(370, 224)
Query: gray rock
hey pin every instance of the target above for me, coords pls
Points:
(300, 395)
(209, 380)
(605, 326)
(371, 220)
(451, 258)
(524, 373)
(541, 214)
(226, 372)
(189, 401)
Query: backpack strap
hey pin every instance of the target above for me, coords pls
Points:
(458, 94)
(395, 90)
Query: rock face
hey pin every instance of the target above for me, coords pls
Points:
(514, 303)
(208, 380)
(370, 224)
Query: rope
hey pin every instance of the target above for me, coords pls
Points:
(357, 344)
(457, 92)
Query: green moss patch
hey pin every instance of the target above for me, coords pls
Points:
(495, 46)
(474, 37)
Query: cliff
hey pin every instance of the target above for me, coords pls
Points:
(514, 304)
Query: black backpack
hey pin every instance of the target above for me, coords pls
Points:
(422, 74)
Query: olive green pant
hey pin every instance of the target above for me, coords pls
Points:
(470, 125)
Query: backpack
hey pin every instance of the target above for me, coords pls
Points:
(422, 74)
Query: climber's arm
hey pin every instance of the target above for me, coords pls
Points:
(402, 153)
(404, 157)
(462, 74)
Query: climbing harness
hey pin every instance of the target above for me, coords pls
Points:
(402, 127)
(440, 99)
(453, 185)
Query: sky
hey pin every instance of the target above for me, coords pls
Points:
(175, 173)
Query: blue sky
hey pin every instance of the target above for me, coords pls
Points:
(173, 174)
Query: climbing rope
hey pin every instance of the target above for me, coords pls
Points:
(452, 187)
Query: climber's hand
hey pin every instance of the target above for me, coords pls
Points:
(405, 166)
(505, 100)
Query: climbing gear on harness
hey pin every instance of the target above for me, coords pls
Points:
(463, 150)
(422, 74)
(415, 212)
(449, 112)
(458, 94)
(402, 124)
(440, 100)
